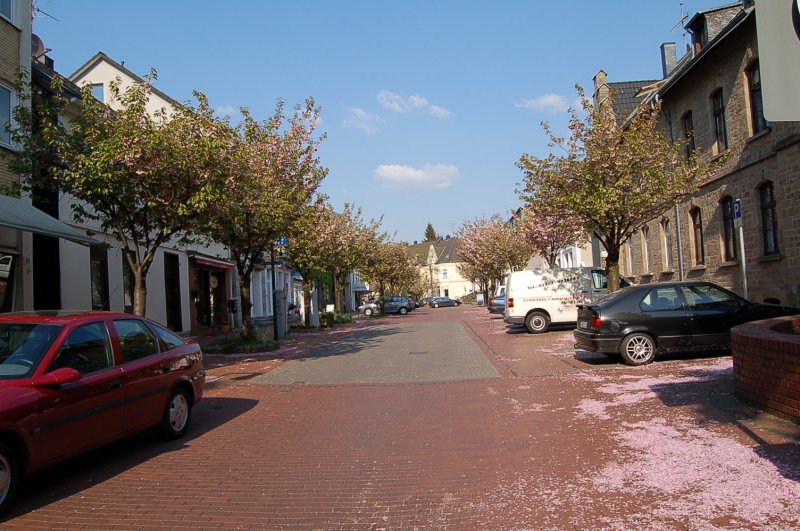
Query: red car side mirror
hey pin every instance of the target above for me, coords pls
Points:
(57, 377)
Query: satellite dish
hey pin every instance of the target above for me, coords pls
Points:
(37, 46)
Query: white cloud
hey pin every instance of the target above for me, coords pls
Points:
(430, 176)
(397, 103)
(226, 110)
(552, 103)
(364, 121)
(439, 112)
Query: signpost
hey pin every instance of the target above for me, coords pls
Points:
(737, 224)
(281, 242)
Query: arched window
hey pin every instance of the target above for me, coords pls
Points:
(720, 126)
(645, 249)
(697, 232)
(666, 231)
(769, 219)
(729, 234)
(756, 103)
(688, 133)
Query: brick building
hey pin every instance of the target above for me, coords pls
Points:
(713, 97)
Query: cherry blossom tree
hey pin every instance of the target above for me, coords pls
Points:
(548, 234)
(272, 172)
(145, 178)
(391, 269)
(613, 177)
(345, 242)
(489, 248)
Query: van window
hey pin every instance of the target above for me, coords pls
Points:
(599, 280)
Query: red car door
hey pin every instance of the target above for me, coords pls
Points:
(147, 374)
(83, 414)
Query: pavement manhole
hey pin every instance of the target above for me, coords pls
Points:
(420, 353)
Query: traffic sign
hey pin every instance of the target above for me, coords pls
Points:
(283, 240)
(737, 213)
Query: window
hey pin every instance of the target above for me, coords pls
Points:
(135, 340)
(87, 350)
(729, 246)
(5, 115)
(629, 255)
(5, 8)
(645, 249)
(756, 102)
(697, 231)
(720, 127)
(707, 297)
(99, 266)
(661, 300)
(666, 230)
(688, 133)
(444, 273)
(7, 267)
(98, 92)
(168, 340)
(769, 220)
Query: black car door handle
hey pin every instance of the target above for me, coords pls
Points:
(116, 384)
(165, 368)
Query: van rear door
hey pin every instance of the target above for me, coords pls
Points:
(599, 283)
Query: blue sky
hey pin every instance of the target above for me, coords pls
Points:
(427, 105)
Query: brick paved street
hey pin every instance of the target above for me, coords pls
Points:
(486, 427)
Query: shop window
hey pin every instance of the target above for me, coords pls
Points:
(99, 265)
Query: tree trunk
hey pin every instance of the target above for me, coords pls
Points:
(612, 270)
(244, 289)
(140, 290)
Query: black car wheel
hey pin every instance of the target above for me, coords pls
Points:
(435, 304)
(177, 414)
(368, 311)
(537, 322)
(638, 349)
(9, 474)
(403, 310)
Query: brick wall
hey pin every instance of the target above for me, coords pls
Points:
(773, 156)
(766, 365)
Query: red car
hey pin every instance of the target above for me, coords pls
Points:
(70, 382)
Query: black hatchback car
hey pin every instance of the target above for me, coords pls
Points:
(638, 322)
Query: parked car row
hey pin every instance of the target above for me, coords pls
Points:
(402, 304)
(71, 382)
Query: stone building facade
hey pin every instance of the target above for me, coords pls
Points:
(713, 96)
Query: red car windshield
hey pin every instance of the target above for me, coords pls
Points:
(22, 346)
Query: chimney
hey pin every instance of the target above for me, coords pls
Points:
(669, 58)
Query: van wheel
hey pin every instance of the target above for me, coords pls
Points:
(638, 349)
(537, 322)
(403, 310)
(368, 312)
(9, 474)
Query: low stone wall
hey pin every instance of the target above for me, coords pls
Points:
(766, 365)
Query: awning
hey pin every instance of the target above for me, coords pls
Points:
(19, 214)
(212, 263)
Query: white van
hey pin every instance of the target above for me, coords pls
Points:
(539, 297)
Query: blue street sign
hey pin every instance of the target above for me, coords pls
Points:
(283, 240)
(737, 209)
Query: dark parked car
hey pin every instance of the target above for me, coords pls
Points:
(497, 304)
(641, 321)
(437, 302)
(397, 304)
(71, 382)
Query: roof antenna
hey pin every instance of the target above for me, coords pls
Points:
(680, 22)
